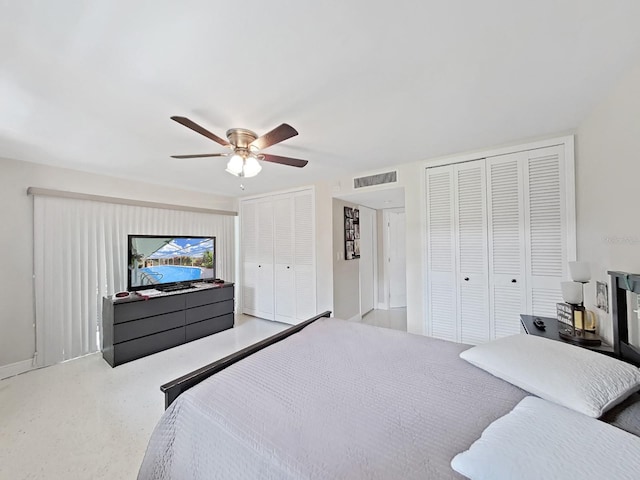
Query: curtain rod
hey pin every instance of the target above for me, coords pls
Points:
(47, 192)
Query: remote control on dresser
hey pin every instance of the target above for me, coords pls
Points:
(539, 324)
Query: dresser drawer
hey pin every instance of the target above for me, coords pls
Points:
(207, 327)
(147, 326)
(210, 295)
(209, 311)
(141, 347)
(123, 312)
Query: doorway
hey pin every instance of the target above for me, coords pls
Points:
(396, 258)
(382, 238)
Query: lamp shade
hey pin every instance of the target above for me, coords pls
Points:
(580, 271)
(571, 292)
(235, 165)
(251, 167)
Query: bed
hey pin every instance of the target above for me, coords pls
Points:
(331, 399)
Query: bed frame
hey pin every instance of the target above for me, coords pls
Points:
(175, 387)
(621, 283)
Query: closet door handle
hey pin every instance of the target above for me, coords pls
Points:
(259, 266)
(466, 279)
(288, 266)
(513, 280)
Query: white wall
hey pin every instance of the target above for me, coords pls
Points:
(346, 273)
(17, 340)
(324, 248)
(608, 187)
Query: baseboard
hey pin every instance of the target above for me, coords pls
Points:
(383, 306)
(355, 318)
(17, 368)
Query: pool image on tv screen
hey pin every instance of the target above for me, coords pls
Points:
(155, 261)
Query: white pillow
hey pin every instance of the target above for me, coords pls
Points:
(539, 439)
(577, 378)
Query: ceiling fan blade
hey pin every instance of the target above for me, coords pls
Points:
(276, 135)
(293, 162)
(201, 130)
(201, 155)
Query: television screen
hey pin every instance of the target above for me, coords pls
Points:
(162, 261)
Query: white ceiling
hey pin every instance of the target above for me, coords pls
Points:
(91, 85)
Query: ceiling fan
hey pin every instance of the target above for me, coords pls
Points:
(245, 145)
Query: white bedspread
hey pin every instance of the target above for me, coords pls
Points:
(337, 400)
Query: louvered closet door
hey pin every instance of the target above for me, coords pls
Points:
(265, 277)
(546, 228)
(441, 258)
(249, 240)
(507, 258)
(470, 224)
(285, 304)
(304, 254)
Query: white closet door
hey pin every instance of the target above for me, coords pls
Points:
(470, 227)
(441, 258)
(265, 277)
(285, 308)
(304, 254)
(507, 258)
(278, 252)
(249, 241)
(546, 227)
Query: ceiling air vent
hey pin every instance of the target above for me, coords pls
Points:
(378, 179)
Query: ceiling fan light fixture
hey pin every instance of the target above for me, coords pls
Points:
(251, 167)
(243, 166)
(245, 145)
(235, 165)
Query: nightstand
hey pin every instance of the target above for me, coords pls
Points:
(551, 332)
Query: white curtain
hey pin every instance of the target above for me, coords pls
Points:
(80, 255)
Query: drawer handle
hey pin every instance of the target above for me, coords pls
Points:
(466, 279)
(288, 266)
(513, 280)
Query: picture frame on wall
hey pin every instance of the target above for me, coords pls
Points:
(602, 296)
(351, 233)
(349, 250)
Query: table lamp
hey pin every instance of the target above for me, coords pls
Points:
(573, 294)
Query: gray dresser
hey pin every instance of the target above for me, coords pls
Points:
(135, 327)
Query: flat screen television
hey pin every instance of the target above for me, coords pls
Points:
(170, 263)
